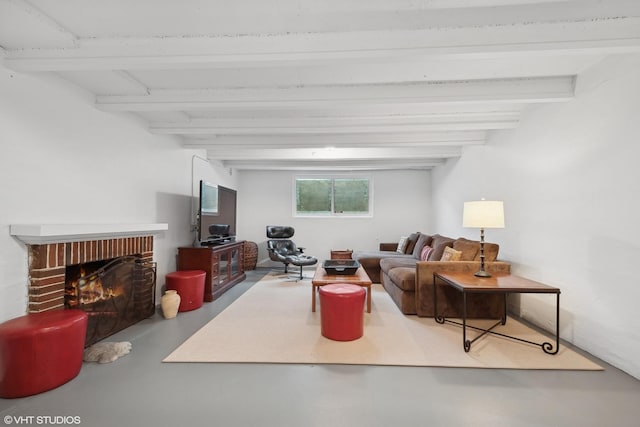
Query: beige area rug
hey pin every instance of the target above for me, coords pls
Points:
(273, 323)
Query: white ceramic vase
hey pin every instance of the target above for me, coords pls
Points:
(170, 302)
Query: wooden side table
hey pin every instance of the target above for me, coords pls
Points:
(502, 284)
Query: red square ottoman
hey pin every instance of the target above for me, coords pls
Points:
(342, 311)
(40, 351)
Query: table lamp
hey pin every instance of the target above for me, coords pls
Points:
(483, 214)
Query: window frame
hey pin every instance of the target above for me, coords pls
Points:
(332, 178)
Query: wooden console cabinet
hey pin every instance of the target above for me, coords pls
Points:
(224, 265)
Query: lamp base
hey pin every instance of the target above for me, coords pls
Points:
(482, 273)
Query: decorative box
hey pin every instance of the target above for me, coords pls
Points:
(346, 267)
(341, 254)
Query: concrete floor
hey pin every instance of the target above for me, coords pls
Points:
(139, 390)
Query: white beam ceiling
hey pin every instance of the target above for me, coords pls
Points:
(308, 85)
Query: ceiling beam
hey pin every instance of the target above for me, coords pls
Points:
(526, 90)
(319, 125)
(333, 153)
(448, 138)
(549, 35)
(319, 129)
(338, 166)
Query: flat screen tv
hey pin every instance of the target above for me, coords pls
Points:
(216, 214)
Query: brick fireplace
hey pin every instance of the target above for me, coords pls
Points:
(48, 263)
(106, 270)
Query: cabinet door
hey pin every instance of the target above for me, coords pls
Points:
(215, 270)
(225, 267)
(235, 262)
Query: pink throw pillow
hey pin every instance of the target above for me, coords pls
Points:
(424, 253)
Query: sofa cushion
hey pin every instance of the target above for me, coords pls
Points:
(469, 248)
(404, 278)
(411, 243)
(388, 264)
(377, 254)
(438, 244)
(370, 261)
(423, 240)
(490, 252)
(451, 254)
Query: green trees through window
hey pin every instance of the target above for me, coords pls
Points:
(332, 196)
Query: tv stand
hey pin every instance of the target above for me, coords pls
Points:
(223, 263)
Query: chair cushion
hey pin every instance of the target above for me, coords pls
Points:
(301, 260)
(279, 232)
(283, 247)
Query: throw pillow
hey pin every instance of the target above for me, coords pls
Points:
(438, 243)
(424, 254)
(423, 240)
(411, 243)
(451, 254)
(469, 248)
(402, 244)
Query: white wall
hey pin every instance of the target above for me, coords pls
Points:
(64, 161)
(401, 206)
(570, 181)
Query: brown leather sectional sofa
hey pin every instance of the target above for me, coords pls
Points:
(409, 281)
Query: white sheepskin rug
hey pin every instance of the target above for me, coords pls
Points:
(106, 352)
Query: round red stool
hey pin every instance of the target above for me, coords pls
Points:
(41, 351)
(342, 311)
(190, 286)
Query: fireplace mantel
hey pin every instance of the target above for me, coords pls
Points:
(39, 234)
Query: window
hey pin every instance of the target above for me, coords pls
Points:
(332, 196)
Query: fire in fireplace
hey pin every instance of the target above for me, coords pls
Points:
(115, 293)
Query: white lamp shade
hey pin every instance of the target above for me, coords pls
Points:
(483, 214)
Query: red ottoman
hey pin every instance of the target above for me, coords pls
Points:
(190, 286)
(40, 351)
(342, 311)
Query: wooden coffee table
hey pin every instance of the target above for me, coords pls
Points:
(500, 284)
(321, 278)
